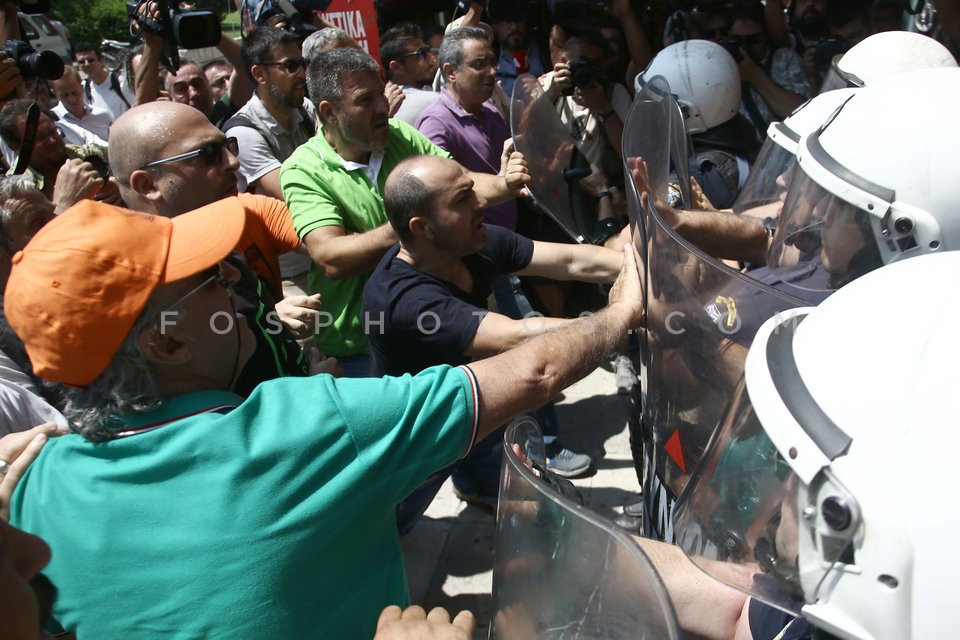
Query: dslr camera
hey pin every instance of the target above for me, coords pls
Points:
(45, 64)
(826, 50)
(733, 45)
(585, 72)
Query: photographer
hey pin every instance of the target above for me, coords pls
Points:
(189, 85)
(64, 173)
(774, 79)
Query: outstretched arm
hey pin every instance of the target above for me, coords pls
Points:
(529, 375)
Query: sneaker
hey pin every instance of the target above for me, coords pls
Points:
(624, 373)
(632, 518)
(566, 463)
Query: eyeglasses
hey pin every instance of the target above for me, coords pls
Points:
(421, 53)
(750, 40)
(290, 66)
(216, 277)
(212, 153)
(482, 64)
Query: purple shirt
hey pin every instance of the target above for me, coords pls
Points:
(476, 143)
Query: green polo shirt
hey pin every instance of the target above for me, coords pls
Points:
(273, 517)
(321, 191)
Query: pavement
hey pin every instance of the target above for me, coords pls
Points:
(449, 553)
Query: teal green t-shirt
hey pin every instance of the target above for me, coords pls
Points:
(274, 519)
(321, 192)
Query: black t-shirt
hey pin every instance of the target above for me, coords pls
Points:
(768, 623)
(414, 320)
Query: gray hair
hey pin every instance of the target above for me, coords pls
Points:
(128, 386)
(325, 73)
(451, 49)
(16, 187)
(318, 41)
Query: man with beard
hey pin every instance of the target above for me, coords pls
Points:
(333, 186)
(517, 53)
(278, 118)
(65, 173)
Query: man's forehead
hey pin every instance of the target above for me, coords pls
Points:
(477, 48)
(187, 72)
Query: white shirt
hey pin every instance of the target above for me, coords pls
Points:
(102, 95)
(95, 120)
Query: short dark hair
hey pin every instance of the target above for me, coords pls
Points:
(12, 114)
(326, 70)
(86, 46)
(405, 196)
(749, 11)
(840, 14)
(395, 42)
(451, 49)
(256, 45)
(589, 38)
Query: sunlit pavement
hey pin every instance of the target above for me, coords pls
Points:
(449, 554)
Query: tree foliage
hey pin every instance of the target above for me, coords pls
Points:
(94, 20)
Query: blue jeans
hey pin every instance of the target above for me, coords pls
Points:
(513, 303)
(477, 473)
(357, 366)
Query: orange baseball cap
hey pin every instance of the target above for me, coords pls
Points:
(77, 288)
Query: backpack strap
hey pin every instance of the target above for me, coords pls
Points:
(115, 85)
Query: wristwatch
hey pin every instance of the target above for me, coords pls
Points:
(602, 117)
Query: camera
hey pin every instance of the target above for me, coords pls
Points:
(186, 29)
(826, 50)
(33, 6)
(585, 72)
(295, 16)
(733, 45)
(32, 64)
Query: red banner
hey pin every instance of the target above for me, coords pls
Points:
(359, 19)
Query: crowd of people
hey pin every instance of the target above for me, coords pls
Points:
(255, 311)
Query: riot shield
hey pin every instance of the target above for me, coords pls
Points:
(551, 153)
(701, 319)
(562, 571)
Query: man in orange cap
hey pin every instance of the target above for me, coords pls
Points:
(179, 509)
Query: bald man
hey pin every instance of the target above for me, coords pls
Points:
(73, 109)
(169, 159)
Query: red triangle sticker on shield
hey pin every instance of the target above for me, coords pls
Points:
(675, 451)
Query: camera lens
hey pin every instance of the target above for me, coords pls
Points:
(45, 64)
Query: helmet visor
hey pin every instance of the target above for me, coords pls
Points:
(745, 516)
(822, 241)
(763, 194)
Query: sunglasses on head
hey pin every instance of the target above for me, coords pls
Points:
(290, 66)
(212, 152)
(421, 53)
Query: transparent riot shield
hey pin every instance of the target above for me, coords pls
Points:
(551, 153)
(562, 571)
(701, 318)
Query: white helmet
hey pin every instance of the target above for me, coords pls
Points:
(886, 54)
(829, 488)
(877, 182)
(704, 78)
(773, 169)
